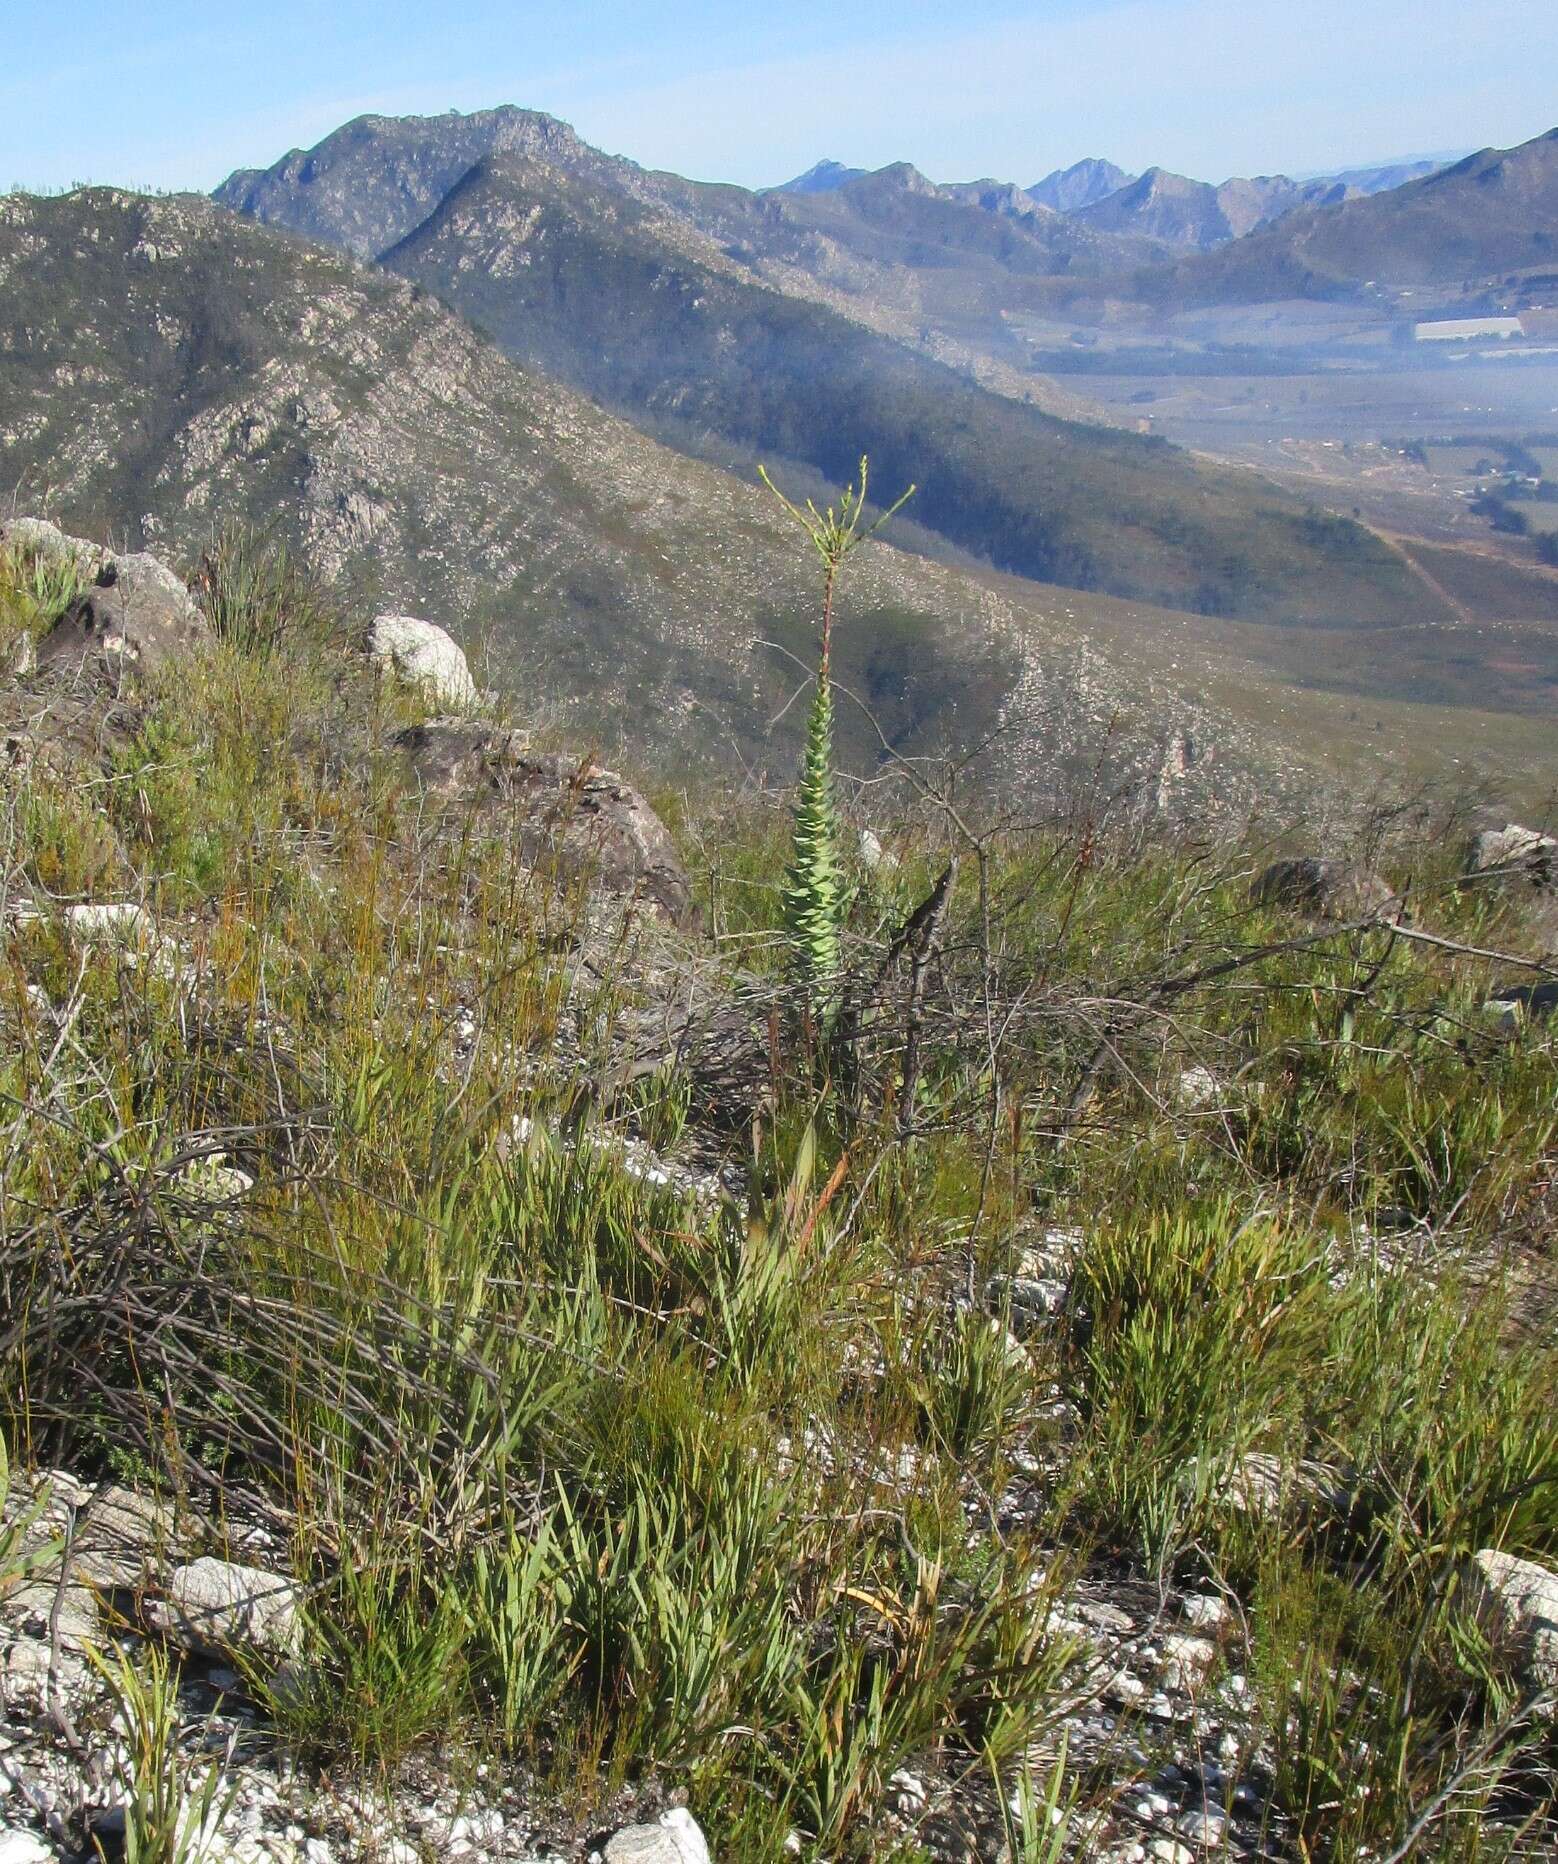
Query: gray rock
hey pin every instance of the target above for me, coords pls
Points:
(1263, 1487)
(122, 1539)
(50, 544)
(1516, 1603)
(1519, 1004)
(1513, 853)
(1186, 1661)
(119, 922)
(1324, 889)
(139, 617)
(218, 1608)
(569, 817)
(1170, 1851)
(24, 1848)
(425, 656)
(673, 1839)
(1196, 1088)
(25, 1661)
(1032, 1305)
(1202, 1828)
(1204, 1610)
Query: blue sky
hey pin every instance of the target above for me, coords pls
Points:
(176, 93)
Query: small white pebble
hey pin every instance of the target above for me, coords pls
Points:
(1204, 1610)
(1202, 1828)
(1170, 1851)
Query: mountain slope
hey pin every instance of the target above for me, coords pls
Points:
(589, 288)
(931, 267)
(677, 304)
(166, 366)
(1488, 220)
(371, 181)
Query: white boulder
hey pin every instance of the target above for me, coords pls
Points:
(1513, 851)
(425, 656)
(673, 1839)
(1516, 1603)
(214, 1606)
(24, 1848)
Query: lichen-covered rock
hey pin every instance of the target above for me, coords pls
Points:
(425, 656)
(673, 1839)
(1513, 853)
(1326, 889)
(47, 543)
(1516, 1603)
(215, 1606)
(570, 818)
(136, 618)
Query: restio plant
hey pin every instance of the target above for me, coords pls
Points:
(173, 1805)
(814, 894)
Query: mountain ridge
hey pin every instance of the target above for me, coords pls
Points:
(1491, 217)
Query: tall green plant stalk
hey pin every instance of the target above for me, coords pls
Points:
(814, 895)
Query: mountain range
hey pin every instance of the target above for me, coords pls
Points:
(167, 368)
(1157, 205)
(1486, 223)
(473, 366)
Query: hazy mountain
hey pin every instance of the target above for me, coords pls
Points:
(1164, 206)
(995, 197)
(1384, 175)
(604, 292)
(1068, 189)
(821, 178)
(1486, 222)
(888, 249)
(166, 366)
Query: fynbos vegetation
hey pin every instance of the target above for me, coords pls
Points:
(1106, 1416)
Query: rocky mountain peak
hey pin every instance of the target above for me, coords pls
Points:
(821, 178)
(1067, 190)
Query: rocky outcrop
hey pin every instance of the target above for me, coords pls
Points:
(1324, 889)
(49, 544)
(133, 614)
(137, 619)
(569, 817)
(425, 656)
(1513, 853)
